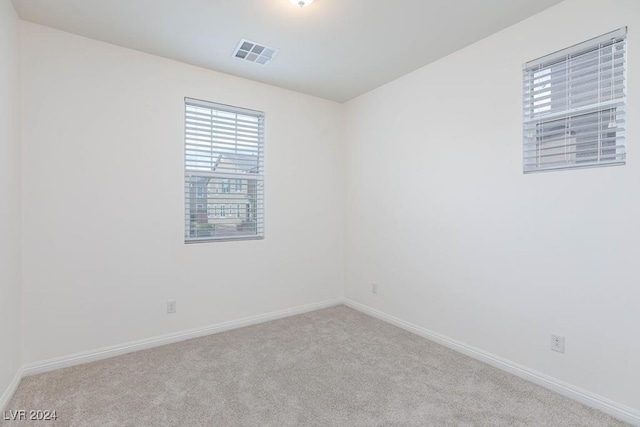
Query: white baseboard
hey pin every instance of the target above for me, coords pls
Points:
(10, 391)
(116, 350)
(587, 398)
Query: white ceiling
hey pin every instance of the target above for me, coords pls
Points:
(334, 49)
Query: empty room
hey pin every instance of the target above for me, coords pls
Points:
(319, 213)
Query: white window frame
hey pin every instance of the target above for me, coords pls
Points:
(223, 144)
(575, 106)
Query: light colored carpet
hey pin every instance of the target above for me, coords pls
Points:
(332, 367)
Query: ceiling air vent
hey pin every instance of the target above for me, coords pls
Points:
(254, 52)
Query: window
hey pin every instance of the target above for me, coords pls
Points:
(226, 186)
(223, 144)
(574, 106)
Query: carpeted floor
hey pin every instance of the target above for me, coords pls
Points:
(332, 367)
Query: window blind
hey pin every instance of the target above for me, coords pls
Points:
(223, 145)
(574, 106)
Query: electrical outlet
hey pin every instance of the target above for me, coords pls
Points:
(557, 343)
(374, 288)
(171, 307)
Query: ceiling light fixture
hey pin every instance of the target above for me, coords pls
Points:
(301, 3)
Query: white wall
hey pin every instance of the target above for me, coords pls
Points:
(10, 341)
(441, 217)
(103, 199)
